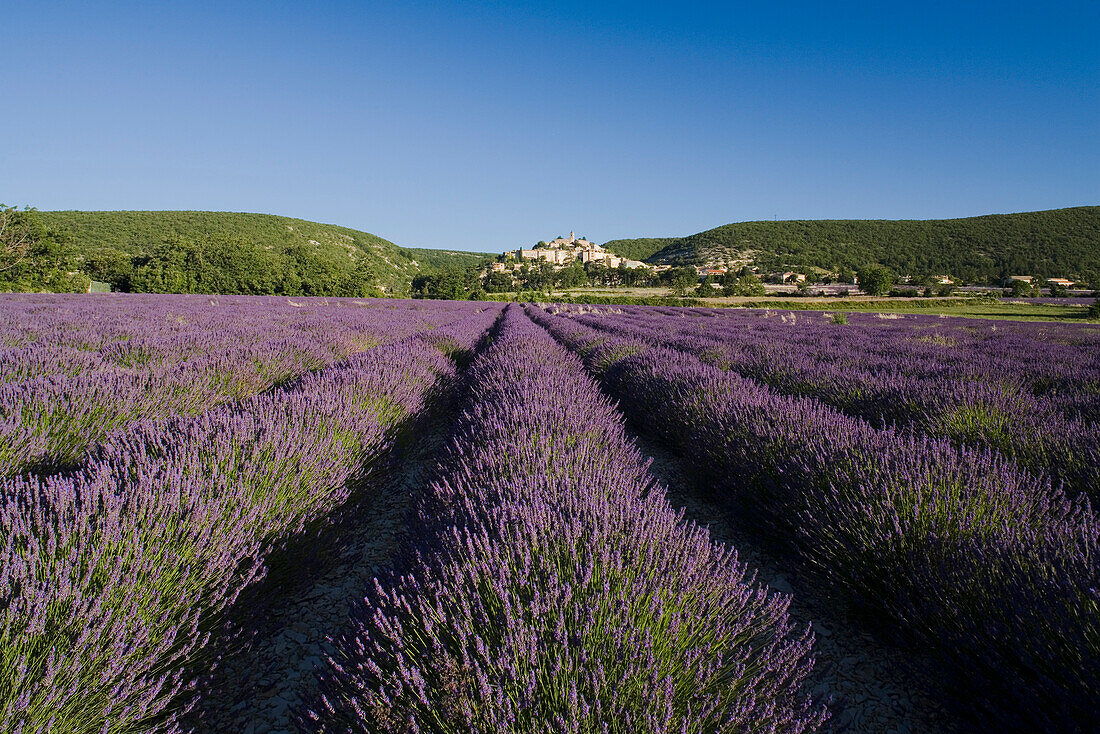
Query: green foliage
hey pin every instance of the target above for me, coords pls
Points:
(706, 288)
(452, 284)
(1055, 243)
(639, 249)
(680, 279)
(1020, 289)
(840, 318)
(224, 252)
(1094, 309)
(745, 285)
(35, 257)
(498, 283)
(876, 280)
(976, 423)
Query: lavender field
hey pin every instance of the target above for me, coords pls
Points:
(264, 514)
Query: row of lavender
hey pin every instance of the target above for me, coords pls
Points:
(1031, 391)
(73, 370)
(986, 569)
(114, 577)
(555, 589)
(1056, 361)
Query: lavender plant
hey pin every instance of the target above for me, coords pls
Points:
(985, 567)
(557, 590)
(83, 367)
(973, 384)
(113, 577)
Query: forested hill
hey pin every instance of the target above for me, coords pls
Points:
(226, 252)
(641, 248)
(1054, 243)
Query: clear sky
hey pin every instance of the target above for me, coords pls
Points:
(484, 125)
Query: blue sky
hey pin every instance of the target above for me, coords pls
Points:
(483, 125)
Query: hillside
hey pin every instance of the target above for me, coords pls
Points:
(1058, 242)
(641, 248)
(233, 252)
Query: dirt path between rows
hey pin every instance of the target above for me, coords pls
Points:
(260, 685)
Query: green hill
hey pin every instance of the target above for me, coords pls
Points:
(1055, 243)
(641, 248)
(226, 252)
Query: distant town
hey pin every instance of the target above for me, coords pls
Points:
(565, 250)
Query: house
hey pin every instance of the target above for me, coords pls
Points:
(1022, 278)
(792, 277)
(1061, 282)
(943, 280)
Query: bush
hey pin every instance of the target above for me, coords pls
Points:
(1020, 289)
(875, 280)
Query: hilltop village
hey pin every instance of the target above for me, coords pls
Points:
(562, 251)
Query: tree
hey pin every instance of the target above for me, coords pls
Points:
(1020, 288)
(706, 289)
(747, 285)
(572, 275)
(110, 265)
(875, 280)
(34, 258)
(362, 282)
(16, 236)
(681, 279)
(496, 282)
(446, 283)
